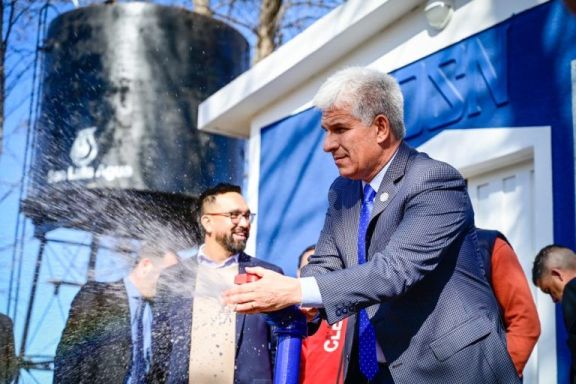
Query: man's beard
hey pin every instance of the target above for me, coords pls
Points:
(231, 245)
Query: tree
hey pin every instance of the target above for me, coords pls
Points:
(20, 21)
(202, 7)
(266, 23)
(267, 28)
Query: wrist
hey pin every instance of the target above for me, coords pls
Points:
(297, 299)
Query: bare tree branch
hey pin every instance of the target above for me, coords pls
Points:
(17, 105)
(267, 28)
(237, 23)
(8, 192)
(16, 77)
(10, 21)
(202, 7)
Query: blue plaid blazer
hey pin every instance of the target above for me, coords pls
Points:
(434, 313)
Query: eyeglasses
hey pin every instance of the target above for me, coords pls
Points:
(234, 216)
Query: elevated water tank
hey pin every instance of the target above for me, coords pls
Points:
(117, 132)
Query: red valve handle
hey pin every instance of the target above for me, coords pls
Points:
(244, 278)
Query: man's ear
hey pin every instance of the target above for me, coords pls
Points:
(144, 266)
(206, 223)
(383, 128)
(557, 274)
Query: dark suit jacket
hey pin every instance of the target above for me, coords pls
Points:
(8, 365)
(96, 345)
(433, 311)
(173, 324)
(569, 311)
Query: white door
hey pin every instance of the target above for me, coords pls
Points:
(503, 200)
(507, 195)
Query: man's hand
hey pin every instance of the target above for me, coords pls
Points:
(309, 312)
(272, 292)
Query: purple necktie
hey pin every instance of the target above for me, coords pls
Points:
(366, 335)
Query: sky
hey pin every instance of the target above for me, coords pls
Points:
(17, 244)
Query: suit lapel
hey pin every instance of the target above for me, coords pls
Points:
(389, 184)
(387, 191)
(353, 199)
(117, 303)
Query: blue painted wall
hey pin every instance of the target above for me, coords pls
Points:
(294, 178)
(515, 74)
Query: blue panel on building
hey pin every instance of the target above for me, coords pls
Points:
(294, 178)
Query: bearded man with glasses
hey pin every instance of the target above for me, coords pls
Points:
(197, 337)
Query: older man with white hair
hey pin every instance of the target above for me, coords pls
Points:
(398, 254)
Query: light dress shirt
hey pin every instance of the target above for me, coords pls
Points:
(311, 296)
(207, 262)
(134, 298)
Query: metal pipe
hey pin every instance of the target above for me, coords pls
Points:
(92, 260)
(43, 241)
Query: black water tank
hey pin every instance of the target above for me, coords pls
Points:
(117, 130)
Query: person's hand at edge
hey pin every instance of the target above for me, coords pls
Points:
(272, 292)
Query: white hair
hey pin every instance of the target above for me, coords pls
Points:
(368, 93)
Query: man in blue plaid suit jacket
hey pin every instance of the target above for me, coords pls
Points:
(422, 286)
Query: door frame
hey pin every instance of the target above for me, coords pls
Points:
(477, 151)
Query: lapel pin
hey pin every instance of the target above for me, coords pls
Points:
(384, 197)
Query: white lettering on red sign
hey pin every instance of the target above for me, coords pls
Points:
(332, 344)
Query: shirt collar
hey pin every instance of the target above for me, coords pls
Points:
(204, 260)
(377, 180)
(131, 289)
